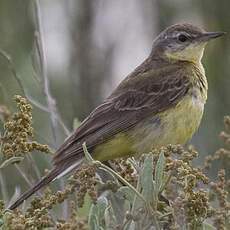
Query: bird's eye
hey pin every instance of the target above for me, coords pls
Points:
(182, 38)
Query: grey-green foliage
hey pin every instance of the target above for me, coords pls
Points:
(125, 208)
(97, 214)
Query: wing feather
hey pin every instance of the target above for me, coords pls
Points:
(134, 99)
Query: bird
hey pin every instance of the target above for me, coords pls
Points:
(161, 102)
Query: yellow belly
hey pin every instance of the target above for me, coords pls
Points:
(174, 126)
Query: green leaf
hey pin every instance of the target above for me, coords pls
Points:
(130, 200)
(102, 204)
(84, 210)
(159, 173)
(117, 202)
(127, 193)
(96, 215)
(12, 160)
(93, 222)
(110, 219)
(146, 178)
(1, 222)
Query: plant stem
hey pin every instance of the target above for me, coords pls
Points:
(3, 188)
(43, 61)
(34, 165)
(51, 103)
(25, 177)
(101, 165)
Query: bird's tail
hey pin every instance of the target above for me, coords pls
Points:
(55, 173)
(43, 182)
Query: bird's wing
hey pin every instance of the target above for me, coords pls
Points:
(131, 102)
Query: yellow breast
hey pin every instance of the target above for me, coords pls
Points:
(174, 126)
(182, 121)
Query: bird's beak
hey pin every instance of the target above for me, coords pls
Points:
(210, 35)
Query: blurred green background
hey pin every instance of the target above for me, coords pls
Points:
(92, 45)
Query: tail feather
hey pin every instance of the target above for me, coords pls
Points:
(43, 182)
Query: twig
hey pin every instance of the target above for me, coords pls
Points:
(51, 104)
(19, 81)
(25, 177)
(11, 67)
(4, 93)
(34, 165)
(65, 129)
(25, 93)
(43, 62)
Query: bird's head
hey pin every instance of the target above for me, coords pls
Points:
(183, 42)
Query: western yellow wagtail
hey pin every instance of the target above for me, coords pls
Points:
(161, 102)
